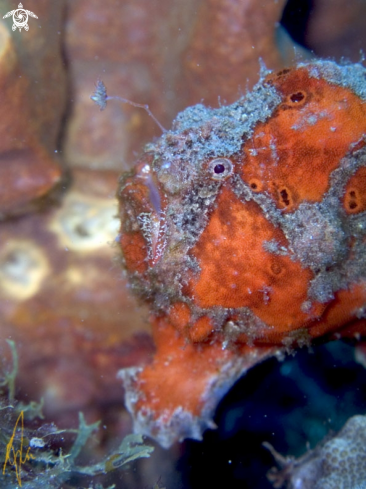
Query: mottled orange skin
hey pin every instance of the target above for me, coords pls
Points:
(340, 318)
(337, 120)
(204, 360)
(238, 281)
(256, 279)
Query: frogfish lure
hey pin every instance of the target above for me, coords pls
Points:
(244, 229)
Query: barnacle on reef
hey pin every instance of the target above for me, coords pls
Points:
(244, 229)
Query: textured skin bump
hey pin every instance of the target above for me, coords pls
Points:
(244, 229)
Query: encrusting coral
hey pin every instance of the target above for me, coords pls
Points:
(55, 274)
(244, 229)
(336, 463)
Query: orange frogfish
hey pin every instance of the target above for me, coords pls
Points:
(244, 229)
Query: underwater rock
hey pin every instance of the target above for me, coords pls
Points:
(244, 229)
(336, 463)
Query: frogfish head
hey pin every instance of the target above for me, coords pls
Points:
(248, 222)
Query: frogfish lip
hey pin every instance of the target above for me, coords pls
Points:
(142, 215)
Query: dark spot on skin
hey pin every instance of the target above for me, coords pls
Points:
(255, 185)
(297, 97)
(285, 197)
(353, 205)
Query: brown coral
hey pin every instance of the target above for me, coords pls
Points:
(156, 52)
(58, 305)
(28, 168)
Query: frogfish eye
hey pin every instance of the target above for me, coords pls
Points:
(220, 168)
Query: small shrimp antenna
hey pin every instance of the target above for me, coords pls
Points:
(100, 97)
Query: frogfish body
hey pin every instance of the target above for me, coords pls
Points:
(244, 229)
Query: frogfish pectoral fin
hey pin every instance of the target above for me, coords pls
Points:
(175, 396)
